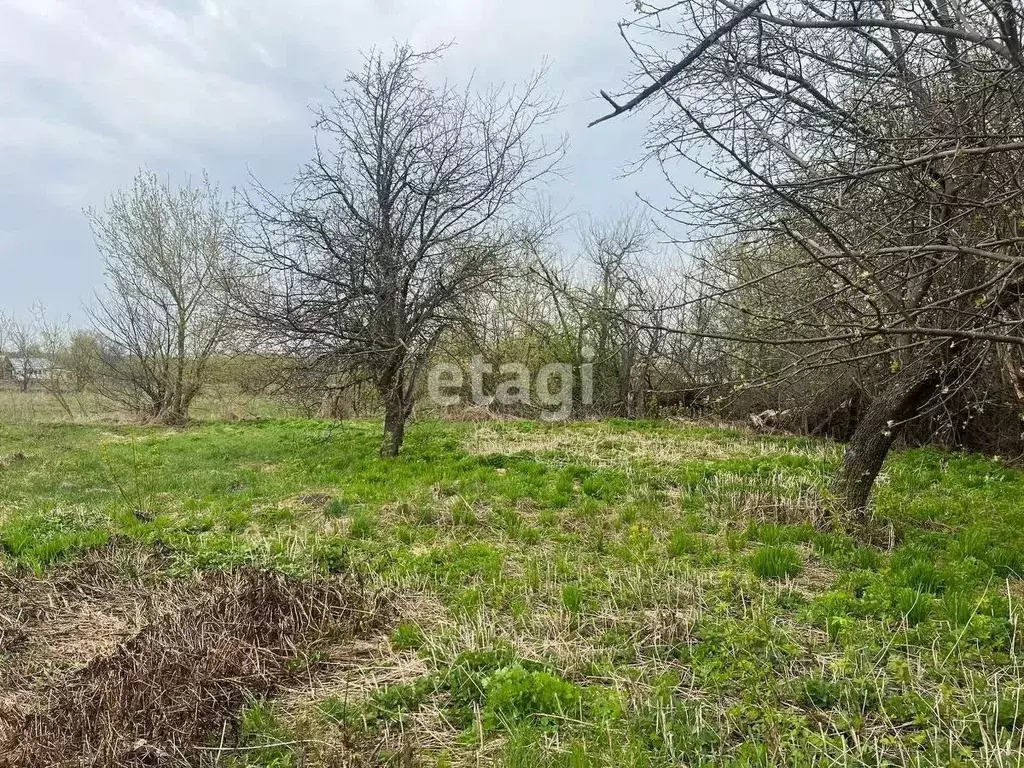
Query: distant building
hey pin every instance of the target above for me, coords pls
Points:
(29, 368)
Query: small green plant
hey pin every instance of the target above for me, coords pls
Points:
(573, 599)
(517, 696)
(771, 534)
(1007, 563)
(333, 555)
(683, 543)
(816, 692)
(973, 543)
(342, 712)
(776, 562)
(921, 575)
(265, 739)
(865, 558)
(509, 521)
(828, 544)
(463, 514)
(407, 636)
(915, 605)
(959, 608)
(425, 514)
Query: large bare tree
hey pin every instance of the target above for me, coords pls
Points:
(868, 156)
(397, 221)
(162, 313)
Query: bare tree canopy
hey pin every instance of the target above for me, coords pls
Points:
(400, 217)
(162, 313)
(869, 156)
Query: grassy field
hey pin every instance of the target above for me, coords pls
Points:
(609, 594)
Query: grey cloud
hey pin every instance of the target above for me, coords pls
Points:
(89, 92)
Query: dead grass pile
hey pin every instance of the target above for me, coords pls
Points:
(50, 624)
(174, 689)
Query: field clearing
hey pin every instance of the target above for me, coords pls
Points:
(218, 403)
(594, 594)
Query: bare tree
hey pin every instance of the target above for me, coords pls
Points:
(396, 222)
(23, 338)
(80, 358)
(53, 344)
(623, 302)
(163, 312)
(869, 156)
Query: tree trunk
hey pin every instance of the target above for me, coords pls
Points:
(877, 430)
(394, 427)
(636, 397)
(178, 408)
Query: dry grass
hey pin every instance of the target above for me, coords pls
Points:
(594, 445)
(49, 626)
(160, 686)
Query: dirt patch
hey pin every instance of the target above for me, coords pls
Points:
(163, 694)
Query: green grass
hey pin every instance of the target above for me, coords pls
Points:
(774, 562)
(597, 594)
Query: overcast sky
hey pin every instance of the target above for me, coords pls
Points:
(90, 90)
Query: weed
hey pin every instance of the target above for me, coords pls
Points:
(683, 542)
(516, 697)
(363, 525)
